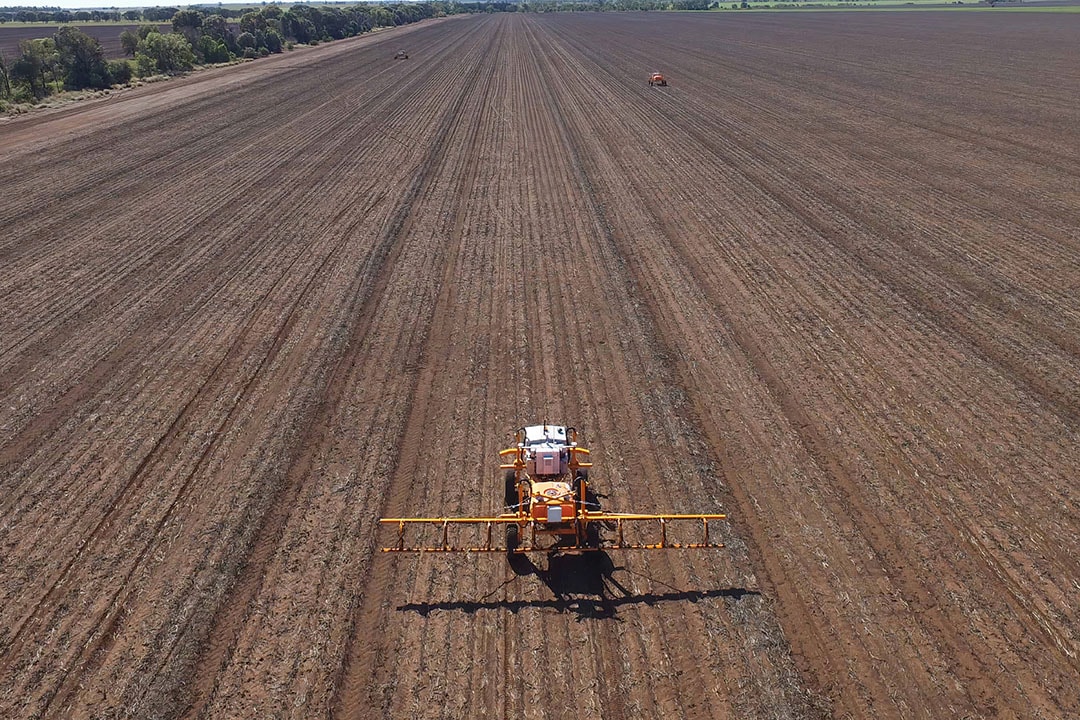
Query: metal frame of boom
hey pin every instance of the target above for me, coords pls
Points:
(618, 543)
(576, 526)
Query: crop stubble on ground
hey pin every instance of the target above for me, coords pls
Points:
(825, 281)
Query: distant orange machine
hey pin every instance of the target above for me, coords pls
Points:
(658, 79)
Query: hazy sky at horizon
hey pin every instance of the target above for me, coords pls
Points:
(96, 5)
(116, 4)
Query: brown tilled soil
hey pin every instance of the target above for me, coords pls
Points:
(827, 281)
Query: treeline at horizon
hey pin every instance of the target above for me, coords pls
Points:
(73, 60)
(133, 15)
(165, 14)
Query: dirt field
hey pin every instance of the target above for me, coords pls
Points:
(827, 281)
(107, 35)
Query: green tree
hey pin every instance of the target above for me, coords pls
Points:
(274, 42)
(212, 50)
(307, 22)
(297, 27)
(129, 41)
(159, 14)
(82, 59)
(252, 21)
(120, 71)
(334, 22)
(381, 17)
(216, 27)
(188, 23)
(5, 78)
(35, 66)
(170, 52)
(144, 65)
